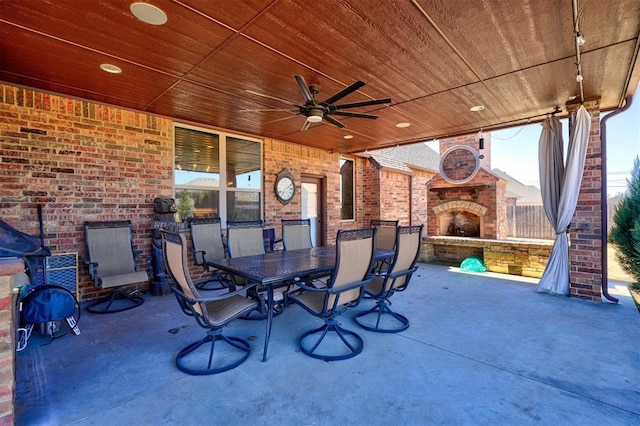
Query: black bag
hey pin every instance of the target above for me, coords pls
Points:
(165, 205)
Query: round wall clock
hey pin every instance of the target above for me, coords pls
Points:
(285, 187)
(459, 164)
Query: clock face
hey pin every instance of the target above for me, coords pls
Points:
(285, 188)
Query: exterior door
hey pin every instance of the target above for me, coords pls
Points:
(313, 207)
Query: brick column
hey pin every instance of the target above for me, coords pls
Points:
(9, 268)
(585, 250)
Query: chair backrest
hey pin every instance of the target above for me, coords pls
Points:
(386, 233)
(354, 262)
(408, 242)
(245, 238)
(206, 235)
(296, 234)
(174, 248)
(110, 245)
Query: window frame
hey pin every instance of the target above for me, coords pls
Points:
(223, 188)
(353, 188)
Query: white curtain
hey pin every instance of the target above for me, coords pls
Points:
(560, 186)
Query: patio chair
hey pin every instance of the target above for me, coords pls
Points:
(381, 318)
(245, 238)
(296, 234)
(354, 256)
(385, 239)
(216, 352)
(111, 259)
(206, 237)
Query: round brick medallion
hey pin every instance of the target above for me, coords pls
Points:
(459, 164)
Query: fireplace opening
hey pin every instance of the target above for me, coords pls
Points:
(460, 224)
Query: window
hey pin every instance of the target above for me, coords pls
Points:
(217, 175)
(347, 211)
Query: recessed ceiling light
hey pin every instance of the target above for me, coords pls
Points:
(148, 13)
(572, 97)
(348, 136)
(110, 68)
(403, 125)
(476, 108)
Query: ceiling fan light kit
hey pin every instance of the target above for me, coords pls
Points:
(316, 111)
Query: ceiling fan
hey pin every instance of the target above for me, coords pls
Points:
(315, 111)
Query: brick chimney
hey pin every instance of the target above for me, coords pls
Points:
(472, 141)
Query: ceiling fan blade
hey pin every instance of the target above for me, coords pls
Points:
(353, 114)
(341, 94)
(304, 89)
(269, 110)
(281, 119)
(306, 125)
(363, 103)
(273, 97)
(334, 122)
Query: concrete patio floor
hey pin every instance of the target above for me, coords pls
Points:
(482, 349)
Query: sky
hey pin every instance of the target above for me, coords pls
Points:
(515, 150)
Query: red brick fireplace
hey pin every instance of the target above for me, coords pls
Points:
(466, 199)
(474, 209)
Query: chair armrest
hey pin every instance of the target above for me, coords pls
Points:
(403, 273)
(351, 286)
(93, 266)
(203, 254)
(193, 301)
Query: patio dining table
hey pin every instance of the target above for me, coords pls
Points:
(274, 269)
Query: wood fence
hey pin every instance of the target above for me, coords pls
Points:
(528, 222)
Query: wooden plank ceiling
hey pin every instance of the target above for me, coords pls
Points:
(435, 59)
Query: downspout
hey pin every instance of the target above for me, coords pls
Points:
(603, 197)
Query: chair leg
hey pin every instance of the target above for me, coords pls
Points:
(350, 340)
(104, 305)
(381, 311)
(234, 348)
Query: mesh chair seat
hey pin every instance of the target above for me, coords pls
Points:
(385, 239)
(354, 257)
(296, 234)
(216, 352)
(111, 259)
(206, 237)
(380, 318)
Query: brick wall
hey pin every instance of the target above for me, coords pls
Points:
(301, 160)
(392, 195)
(395, 193)
(81, 161)
(585, 252)
(371, 186)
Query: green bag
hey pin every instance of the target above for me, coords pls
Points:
(473, 264)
